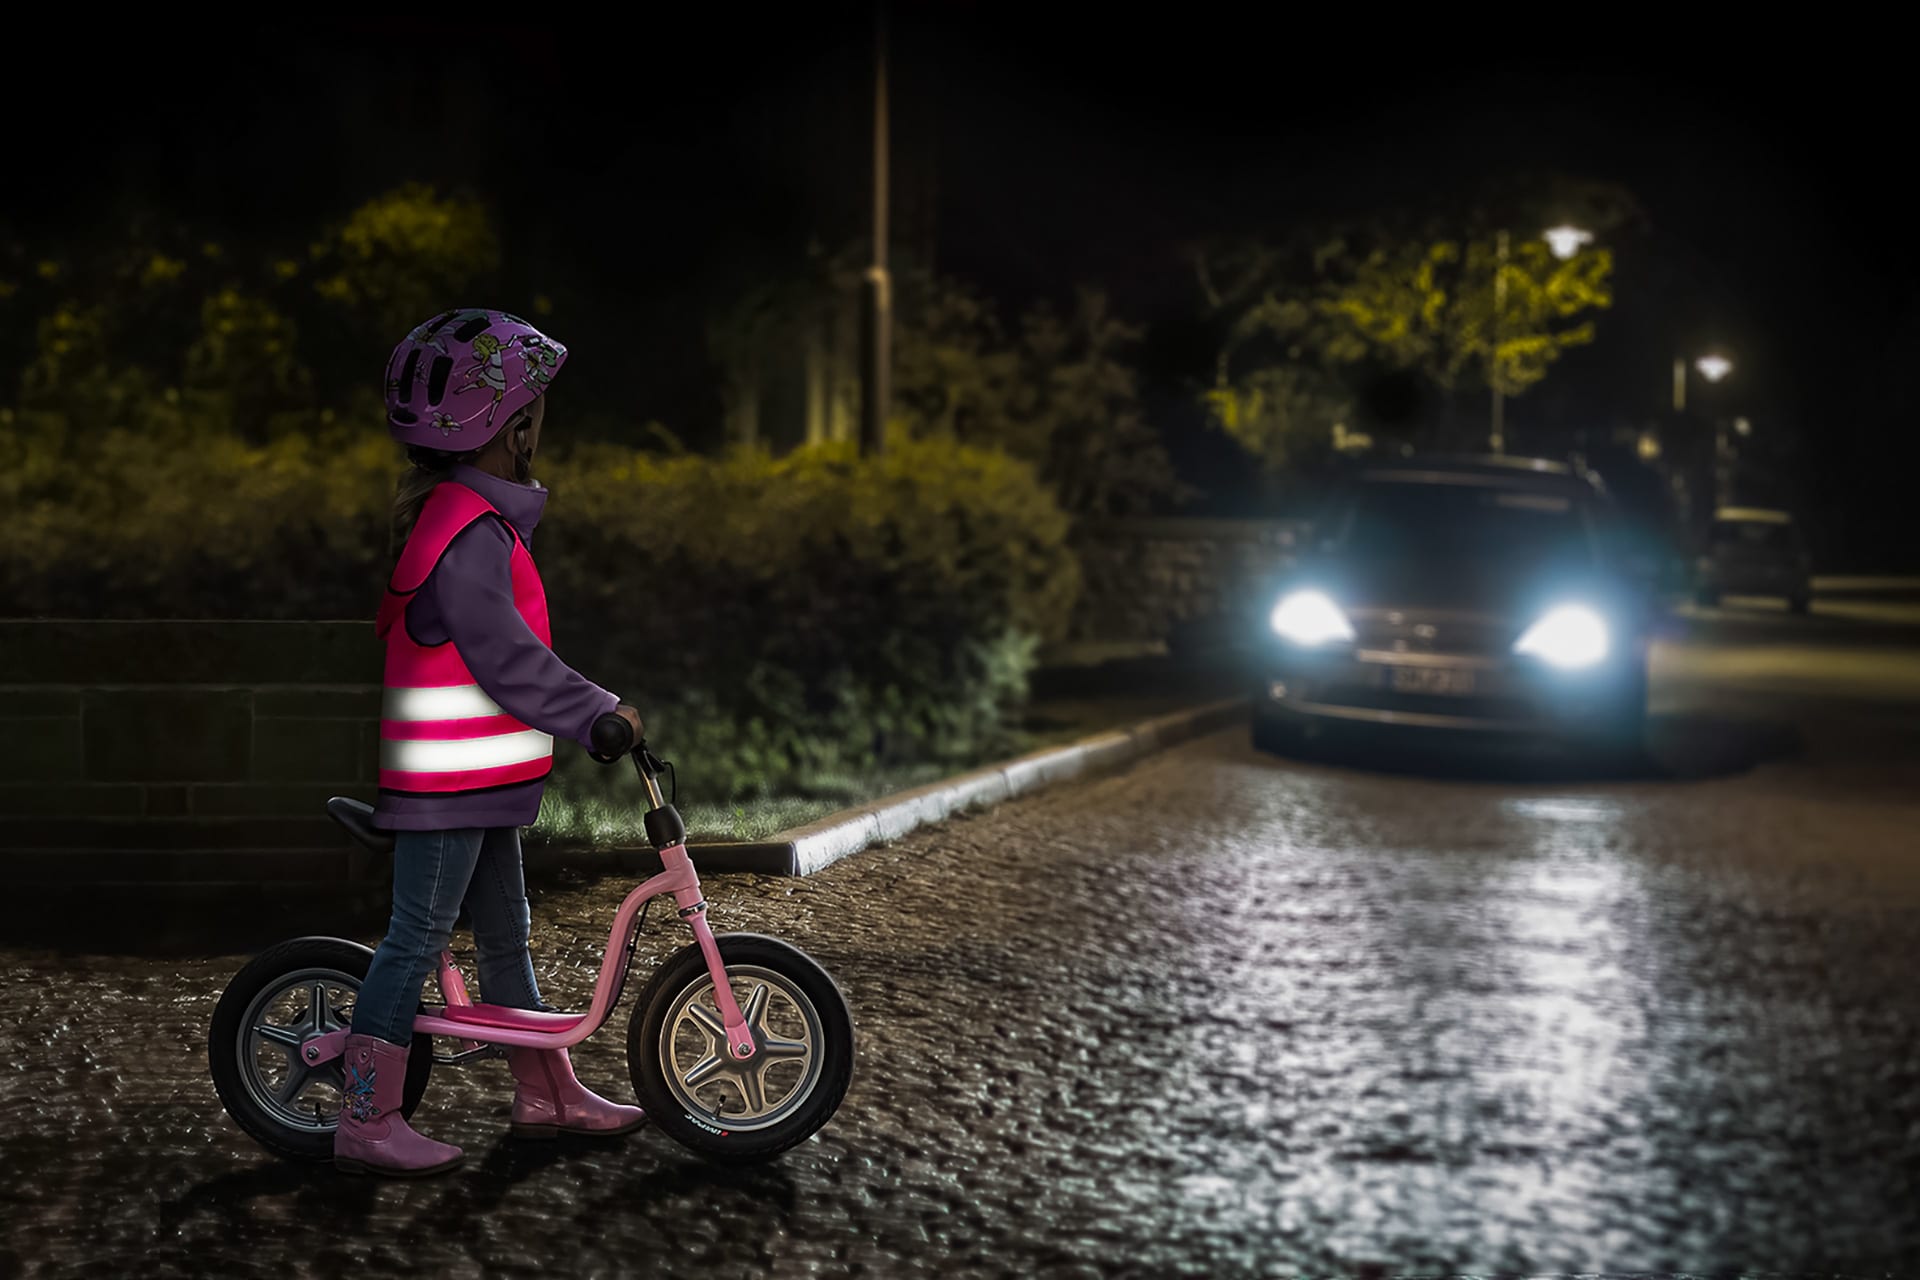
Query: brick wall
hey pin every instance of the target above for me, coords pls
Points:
(164, 750)
(1157, 580)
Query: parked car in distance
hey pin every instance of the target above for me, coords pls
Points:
(1752, 551)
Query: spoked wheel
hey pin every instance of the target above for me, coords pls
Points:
(289, 992)
(738, 1112)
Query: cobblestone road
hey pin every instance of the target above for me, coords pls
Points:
(1221, 1015)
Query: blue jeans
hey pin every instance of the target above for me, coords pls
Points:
(433, 871)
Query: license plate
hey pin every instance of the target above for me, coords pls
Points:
(1432, 680)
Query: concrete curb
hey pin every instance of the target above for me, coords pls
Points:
(805, 850)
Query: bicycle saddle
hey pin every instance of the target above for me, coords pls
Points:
(357, 817)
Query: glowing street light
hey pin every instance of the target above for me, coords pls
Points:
(1566, 241)
(1713, 368)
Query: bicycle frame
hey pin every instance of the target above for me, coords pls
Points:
(537, 1029)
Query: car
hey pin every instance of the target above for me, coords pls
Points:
(1465, 593)
(1752, 551)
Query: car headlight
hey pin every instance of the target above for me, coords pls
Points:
(1309, 618)
(1568, 636)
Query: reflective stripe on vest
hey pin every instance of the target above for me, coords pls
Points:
(440, 734)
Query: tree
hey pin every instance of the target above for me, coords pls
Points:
(399, 257)
(1278, 386)
(1102, 457)
(247, 355)
(1056, 390)
(1061, 396)
(1300, 319)
(1459, 314)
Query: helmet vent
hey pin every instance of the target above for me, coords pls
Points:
(437, 379)
(405, 417)
(472, 328)
(439, 323)
(407, 372)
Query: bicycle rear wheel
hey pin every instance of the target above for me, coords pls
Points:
(293, 990)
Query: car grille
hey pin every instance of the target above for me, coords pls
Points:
(1408, 631)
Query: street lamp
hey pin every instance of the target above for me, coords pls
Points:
(1715, 368)
(876, 294)
(1712, 367)
(1564, 241)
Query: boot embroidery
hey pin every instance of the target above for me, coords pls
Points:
(360, 1104)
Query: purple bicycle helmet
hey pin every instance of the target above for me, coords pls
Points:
(457, 379)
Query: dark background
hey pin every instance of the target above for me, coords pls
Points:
(650, 170)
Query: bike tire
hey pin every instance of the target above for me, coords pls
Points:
(708, 1134)
(226, 1046)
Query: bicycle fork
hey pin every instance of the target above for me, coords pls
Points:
(668, 834)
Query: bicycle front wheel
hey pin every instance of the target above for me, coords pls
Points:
(741, 1112)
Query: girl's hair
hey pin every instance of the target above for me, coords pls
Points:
(425, 469)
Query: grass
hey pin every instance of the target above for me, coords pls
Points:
(597, 821)
(589, 806)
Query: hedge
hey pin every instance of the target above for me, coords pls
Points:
(772, 617)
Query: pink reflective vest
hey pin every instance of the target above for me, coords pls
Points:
(440, 734)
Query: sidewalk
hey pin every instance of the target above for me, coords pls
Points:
(1068, 703)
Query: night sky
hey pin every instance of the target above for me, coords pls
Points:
(656, 164)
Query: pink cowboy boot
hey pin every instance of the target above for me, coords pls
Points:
(373, 1136)
(547, 1099)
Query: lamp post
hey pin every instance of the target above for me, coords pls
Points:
(1564, 242)
(876, 295)
(1714, 368)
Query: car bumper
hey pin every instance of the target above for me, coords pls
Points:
(1446, 691)
(1756, 581)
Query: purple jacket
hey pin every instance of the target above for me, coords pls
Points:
(468, 599)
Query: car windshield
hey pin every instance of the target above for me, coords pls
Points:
(1753, 535)
(1459, 521)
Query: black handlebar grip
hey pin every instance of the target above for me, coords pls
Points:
(612, 737)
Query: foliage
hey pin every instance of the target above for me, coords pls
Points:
(776, 618)
(1056, 391)
(397, 259)
(1281, 414)
(1300, 319)
(238, 336)
(137, 522)
(814, 610)
(1464, 311)
(1060, 395)
(809, 616)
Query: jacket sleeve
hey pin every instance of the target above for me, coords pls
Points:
(472, 590)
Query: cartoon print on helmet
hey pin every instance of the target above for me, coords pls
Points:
(542, 362)
(458, 373)
(487, 371)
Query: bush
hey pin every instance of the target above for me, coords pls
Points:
(774, 618)
(176, 522)
(815, 612)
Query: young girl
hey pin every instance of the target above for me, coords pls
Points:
(474, 698)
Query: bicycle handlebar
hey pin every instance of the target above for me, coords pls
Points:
(612, 737)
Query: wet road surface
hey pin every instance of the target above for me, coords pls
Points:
(1428, 1010)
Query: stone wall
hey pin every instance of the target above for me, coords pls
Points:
(143, 752)
(163, 751)
(1170, 580)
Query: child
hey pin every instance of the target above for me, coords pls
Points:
(474, 698)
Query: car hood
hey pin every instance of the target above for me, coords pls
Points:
(1515, 589)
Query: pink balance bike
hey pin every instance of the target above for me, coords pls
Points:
(739, 1048)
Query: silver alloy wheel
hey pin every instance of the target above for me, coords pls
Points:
(301, 1005)
(706, 1080)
